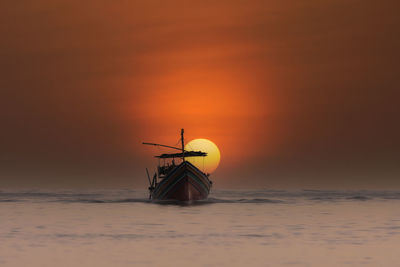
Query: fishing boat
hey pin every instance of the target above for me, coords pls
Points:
(176, 178)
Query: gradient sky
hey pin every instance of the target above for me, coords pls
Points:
(296, 94)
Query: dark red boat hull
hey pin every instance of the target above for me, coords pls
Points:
(184, 183)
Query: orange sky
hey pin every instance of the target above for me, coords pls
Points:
(290, 91)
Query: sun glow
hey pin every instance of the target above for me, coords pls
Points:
(209, 163)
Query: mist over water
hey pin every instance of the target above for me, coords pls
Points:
(231, 228)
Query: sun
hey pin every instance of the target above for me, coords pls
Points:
(209, 163)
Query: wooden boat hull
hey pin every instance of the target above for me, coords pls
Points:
(183, 183)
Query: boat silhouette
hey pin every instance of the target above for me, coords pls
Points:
(179, 182)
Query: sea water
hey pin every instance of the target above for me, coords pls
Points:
(231, 228)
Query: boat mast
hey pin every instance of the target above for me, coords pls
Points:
(183, 145)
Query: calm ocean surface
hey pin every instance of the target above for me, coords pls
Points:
(232, 228)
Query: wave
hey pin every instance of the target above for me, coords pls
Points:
(244, 200)
(9, 200)
(217, 197)
(128, 200)
(198, 202)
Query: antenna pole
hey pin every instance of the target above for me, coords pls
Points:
(148, 176)
(183, 145)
